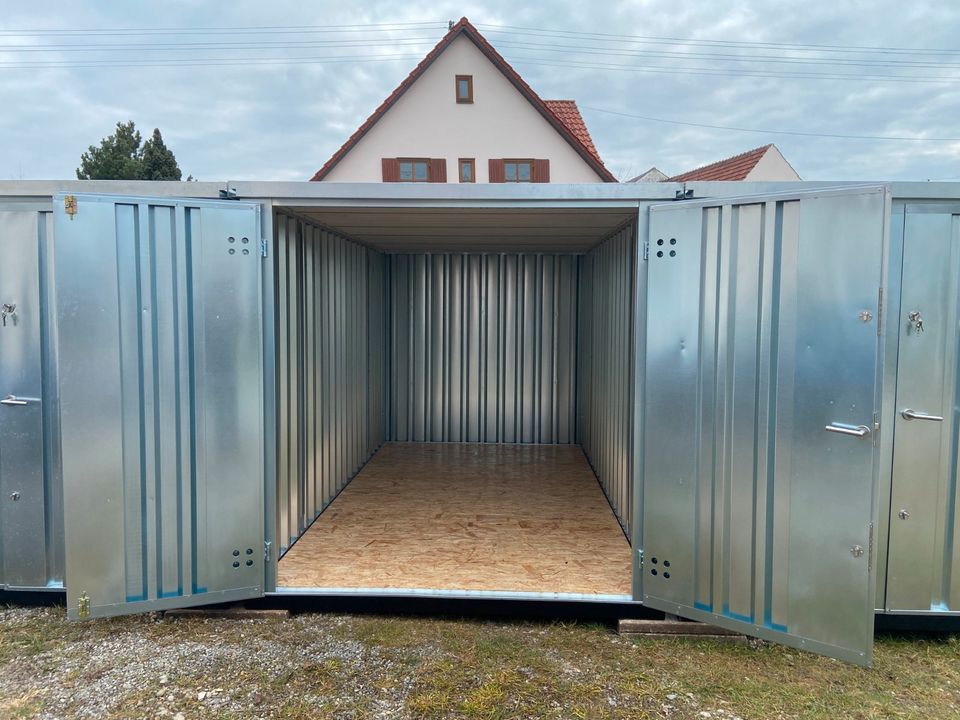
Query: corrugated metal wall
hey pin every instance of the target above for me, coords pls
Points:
(330, 367)
(483, 348)
(605, 362)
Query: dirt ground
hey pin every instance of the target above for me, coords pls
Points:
(336, 666)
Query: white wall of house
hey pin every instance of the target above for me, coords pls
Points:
(772, 167)
(428, 122)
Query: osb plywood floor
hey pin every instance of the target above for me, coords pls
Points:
(526, 518)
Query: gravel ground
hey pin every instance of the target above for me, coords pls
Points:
(332, 666)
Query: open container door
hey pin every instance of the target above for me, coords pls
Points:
(159, 329)
(762, 396)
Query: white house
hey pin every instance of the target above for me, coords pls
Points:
(464, 115)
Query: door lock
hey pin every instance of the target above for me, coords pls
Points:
(857, 551)
(8, 310)
(916, 320)
(15, 495)
(904, 514)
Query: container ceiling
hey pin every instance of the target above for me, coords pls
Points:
(400, 230)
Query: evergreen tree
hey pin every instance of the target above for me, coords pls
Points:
(121, 157)
(158, 162)
(117, 158)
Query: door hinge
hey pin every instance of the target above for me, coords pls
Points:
(870, 550)
(267, 545)
(646, 249)
(263, 248)
(70, 205)
(640, 557)
(83, 606)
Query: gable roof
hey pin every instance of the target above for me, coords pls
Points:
(654, 174)
(733, 168)
(575, 133)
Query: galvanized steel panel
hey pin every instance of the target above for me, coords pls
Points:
(161, 402)
(31, 510)
(331, 360)
(605, 375)
(761, 332)
(923, 565)
(483, 348)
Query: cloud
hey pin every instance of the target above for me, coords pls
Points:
(282, 120)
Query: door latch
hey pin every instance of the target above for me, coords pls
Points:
(8, 310)
(916, 321)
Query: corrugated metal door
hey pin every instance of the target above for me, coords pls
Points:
(923, 574)
(762, 384)
(159, 325)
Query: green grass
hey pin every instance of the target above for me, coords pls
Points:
(367, 667)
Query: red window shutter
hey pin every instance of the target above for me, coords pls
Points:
(495, 171)
(438, 170)
(541, 171)
(391, 169)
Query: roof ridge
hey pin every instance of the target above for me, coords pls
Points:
(724, 161)
(586, 150)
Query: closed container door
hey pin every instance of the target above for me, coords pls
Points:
(760, 456)
(922, 570)
(161, 394)
(22, 503)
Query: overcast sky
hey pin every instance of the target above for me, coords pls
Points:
(280, 114)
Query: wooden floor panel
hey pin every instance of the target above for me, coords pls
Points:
(528, 518)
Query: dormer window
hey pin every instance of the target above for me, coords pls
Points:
(464, 88)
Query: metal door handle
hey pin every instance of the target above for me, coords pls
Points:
(909, 414)
(844, 429)
(14, 400)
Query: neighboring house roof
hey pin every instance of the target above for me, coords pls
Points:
(569, 115)
(652, 175)
(733, 168)
(579, 140)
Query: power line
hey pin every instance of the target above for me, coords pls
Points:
(519, 60)
(731, 43)
(549, 47)
(720, 72)
(768, 132)
(209, 45)
(207, 62)
(240, 29)
(592, 50)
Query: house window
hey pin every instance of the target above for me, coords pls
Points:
(467, 170)
(414, 170)
(518, 170)
(464, 88)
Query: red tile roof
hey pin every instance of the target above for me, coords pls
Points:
(573, 130)
(734, 168)
(569, 115)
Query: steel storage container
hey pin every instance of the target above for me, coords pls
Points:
(762, 379)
